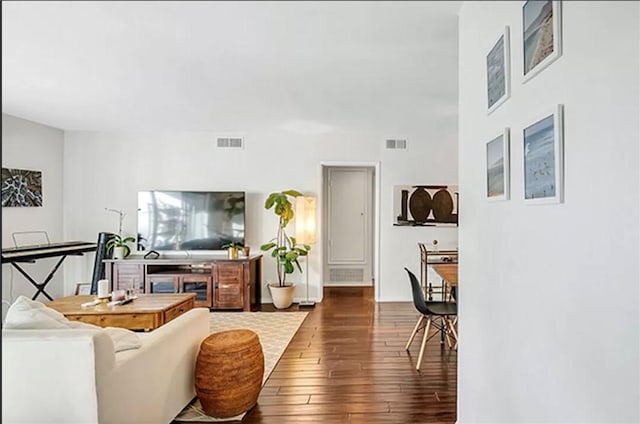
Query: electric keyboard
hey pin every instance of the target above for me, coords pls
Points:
(39, 251)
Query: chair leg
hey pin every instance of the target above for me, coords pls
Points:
(452, 327)
(424, 343)
(415, 331)
(447, 330)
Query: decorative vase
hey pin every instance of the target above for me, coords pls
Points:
(282, 296)
(118, 252)
(232, 252)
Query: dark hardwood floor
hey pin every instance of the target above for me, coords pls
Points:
(347, 364)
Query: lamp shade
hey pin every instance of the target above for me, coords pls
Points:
(306, 219)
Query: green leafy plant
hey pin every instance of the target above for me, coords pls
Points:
(119, 241)
(283, 248)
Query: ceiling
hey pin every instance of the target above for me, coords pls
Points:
(300, 66)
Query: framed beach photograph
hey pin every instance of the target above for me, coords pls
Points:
(497, 167)
(498, 72)
(543, 159)
(541, 35)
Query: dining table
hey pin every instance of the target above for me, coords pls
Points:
(449, 274)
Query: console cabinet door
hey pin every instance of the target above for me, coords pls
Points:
(127, 276)
(228, 285)
(162, 284)
(200, 285)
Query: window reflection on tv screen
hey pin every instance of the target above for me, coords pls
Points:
(189, 220)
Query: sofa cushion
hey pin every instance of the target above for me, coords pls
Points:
(27, 314)
(123, 339)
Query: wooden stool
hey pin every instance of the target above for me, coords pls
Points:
(229, 372)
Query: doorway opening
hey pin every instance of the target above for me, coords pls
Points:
(350, 225)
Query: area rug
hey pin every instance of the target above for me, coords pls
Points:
(275, 330)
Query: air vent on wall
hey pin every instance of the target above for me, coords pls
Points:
(230, 142)
(343, 275)
(396, 144)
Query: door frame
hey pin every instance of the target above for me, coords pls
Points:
(376, 218)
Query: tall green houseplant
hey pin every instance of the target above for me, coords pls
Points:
(284, 248)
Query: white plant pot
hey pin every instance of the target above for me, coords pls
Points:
(282, 296)
(118, 252)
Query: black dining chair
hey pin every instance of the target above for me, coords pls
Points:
(439, 314)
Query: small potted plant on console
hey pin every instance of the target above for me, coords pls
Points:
(232, 249)
(284, 249)
(119, 246)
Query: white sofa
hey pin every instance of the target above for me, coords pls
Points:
(73, 375)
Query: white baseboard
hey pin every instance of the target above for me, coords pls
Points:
(349, 284)
(295, 300)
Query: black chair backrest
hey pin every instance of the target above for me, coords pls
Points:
(418, 295)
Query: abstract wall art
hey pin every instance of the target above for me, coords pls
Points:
(425, 205)
(21, 188)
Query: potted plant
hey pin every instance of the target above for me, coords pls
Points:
(119, 246)
(284, 249)
(232, 249)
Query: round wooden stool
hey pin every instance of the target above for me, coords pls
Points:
(229, 372)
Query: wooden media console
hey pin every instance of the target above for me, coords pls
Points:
(218, 282)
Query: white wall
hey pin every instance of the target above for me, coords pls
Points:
(28, 145)
(108, 169)
(549, 302)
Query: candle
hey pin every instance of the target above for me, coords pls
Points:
(103, 288)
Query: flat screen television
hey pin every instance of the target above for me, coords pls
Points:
(189, 220)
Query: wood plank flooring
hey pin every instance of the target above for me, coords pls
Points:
(347, 364)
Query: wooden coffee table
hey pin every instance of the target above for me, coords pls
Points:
(147, 312)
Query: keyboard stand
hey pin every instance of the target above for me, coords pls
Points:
(14, 256)
(40, 287)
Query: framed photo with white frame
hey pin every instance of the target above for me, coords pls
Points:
(497, 167)
(82, 288)
(498, 72)
(541, 35)
(543, 159)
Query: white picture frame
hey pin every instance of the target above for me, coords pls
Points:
(540, 20)
(497, 167)
(543, 158)
(82, 288)
(498, 71)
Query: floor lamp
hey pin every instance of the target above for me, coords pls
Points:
(306, 232)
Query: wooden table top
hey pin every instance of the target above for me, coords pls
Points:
(449, 272)
(149, 303)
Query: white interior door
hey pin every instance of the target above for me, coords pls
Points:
(349, 226)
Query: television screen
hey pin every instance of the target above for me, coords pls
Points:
(189, 220)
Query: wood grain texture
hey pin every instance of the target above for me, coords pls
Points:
(147, 312)
(449, 272)
(347, 364)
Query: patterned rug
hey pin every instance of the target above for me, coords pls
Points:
(275, 330)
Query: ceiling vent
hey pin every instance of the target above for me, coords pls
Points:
(396, 144)
(230, 142)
